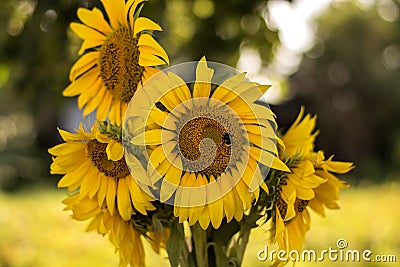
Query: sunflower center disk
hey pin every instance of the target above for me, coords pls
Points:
(206, 145)
(114, 169)
(119, 64)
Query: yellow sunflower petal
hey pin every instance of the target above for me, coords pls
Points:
(182, 197)
(124, 200)
(83, 64)
(256, 111)
(98, 98)
(111, 191)
(228, 198)
(67, 136)
(104, 107)
(216, 208)
(114, 150)
(146, 60)
(169, 100)
(198, 197)
(171, 180)
(224, 90)
(267, 159)
(96, 186)
(244, 194)
(88, 182)
(94, 18)
(202, 86)
(248, 91)
(153, 137)
(114, 111)
(143, 24)
(238, 205)
(277, 164)
(87, 33)
(74, 176)
(77, 87)
(137, 196)
(317, 206)
(102, 192)
(147, 45)
(181, 90)
(136, 168)
(130, 10)
(115, 10)
(88, 95)
(158, 116)
(262, 141)
(204, 219)
(252, 175)
(67, 148)
(337, 166)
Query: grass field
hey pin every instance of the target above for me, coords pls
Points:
(36, 232)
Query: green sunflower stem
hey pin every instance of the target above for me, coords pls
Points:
(222, 247)
(238, 250)
(199, 237)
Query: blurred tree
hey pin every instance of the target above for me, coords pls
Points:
(34, 60)
(217, 29)
(351, 79)
(37, 49)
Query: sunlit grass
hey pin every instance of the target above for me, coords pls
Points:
(368, 219)
(35, 231)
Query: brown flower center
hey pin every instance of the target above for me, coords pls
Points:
(119, 64)
(114, 169)
(215, 154)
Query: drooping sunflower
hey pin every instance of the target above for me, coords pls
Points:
(310, 184)
(291, 199)
(124, 235)
(208, 145)
(95, 163)
(117, 56)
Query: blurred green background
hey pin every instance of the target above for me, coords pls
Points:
(340, 59)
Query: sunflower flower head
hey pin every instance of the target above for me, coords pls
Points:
(311, 184)
(208, 142)
(94, 163)
(117, 56)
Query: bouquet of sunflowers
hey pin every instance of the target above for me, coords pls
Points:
(185, 157)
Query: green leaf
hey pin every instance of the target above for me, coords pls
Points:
(175, 243)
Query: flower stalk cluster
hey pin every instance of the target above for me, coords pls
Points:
(190, 166)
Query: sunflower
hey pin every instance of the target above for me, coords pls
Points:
(124, 235)
(208, 145)
(310, 185)
(95, 163)
(295, 190)
(117, 56)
